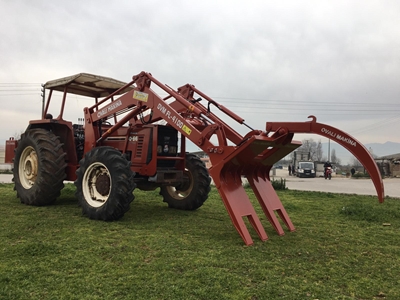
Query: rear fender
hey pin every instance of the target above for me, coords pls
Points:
(62, 129)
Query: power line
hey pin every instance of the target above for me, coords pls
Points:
(257, 104)
(18, 86)
(253, 100)
(317, 109)
(18, 90)
(25, 94)
(279, 101)
(378, 124)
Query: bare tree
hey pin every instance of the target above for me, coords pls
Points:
(371, 151)
(17, 135)
(311, 147)
(319, 153)
(355, 162)
(334, 158)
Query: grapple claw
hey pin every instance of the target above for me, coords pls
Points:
(237, 203)
(269, 201)
(252, 159)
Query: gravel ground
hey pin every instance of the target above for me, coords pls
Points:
(339, 184)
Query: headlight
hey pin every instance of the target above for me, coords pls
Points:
(166, 149)
(172, 149)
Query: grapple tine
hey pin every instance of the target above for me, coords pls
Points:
(269, 200)
(237, 203)
(253, 159)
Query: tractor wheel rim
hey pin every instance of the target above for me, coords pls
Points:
(28, 167)
(96, 184)
(184, 190)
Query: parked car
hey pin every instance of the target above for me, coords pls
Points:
(305, 169)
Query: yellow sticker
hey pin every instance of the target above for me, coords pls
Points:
(186, 129)
(140, 96)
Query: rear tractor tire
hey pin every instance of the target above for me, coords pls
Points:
(191, 194)
(104, 184)
(39, 167)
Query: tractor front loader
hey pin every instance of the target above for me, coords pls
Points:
(132, 138)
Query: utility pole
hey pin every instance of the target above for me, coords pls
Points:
(308, 151)
(329, 149)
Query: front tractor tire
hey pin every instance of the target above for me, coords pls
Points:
(192, 193)
(104, 184)
(39, 167)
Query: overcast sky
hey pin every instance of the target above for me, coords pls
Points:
(265, 60)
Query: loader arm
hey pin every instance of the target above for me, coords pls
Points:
(192, 120)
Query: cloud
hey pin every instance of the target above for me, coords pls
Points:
(267, 61)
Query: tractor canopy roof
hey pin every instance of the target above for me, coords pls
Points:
(89, 85)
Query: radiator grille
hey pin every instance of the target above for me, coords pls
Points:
(139, 147)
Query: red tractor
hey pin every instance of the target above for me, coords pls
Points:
(132, 138)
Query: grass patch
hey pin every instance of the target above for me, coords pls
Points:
(277, 184)
(360, 175)
(340, 250)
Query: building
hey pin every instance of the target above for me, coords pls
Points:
(389, 165)
(2, 154)
(3, 166)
